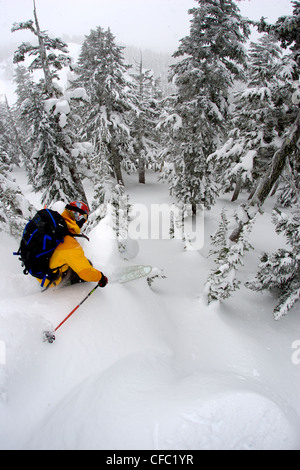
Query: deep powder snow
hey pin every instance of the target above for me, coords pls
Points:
(147, 367)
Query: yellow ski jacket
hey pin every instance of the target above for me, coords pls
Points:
(70, 254)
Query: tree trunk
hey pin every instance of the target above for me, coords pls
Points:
(117, 164)
(276, 185)
(254, 189)
(43, 55)
(141, 153)
(142, 179)
(78, 184)
(113, 150)
(277, 165)
(237, 189)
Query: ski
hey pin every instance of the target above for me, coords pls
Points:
(128, 274)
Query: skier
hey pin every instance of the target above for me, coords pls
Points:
(68, 258)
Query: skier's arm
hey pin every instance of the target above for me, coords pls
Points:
(76, 259)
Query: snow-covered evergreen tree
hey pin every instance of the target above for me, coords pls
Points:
(119, 209)
(257, 122)
(145, 119)
(280, 271)
(286, 30)
(102, 72)
(51, 55)
(14, 208)
(220, 238)
(213, 57)
(104, 183)
(8, 134)
(287, 152)
(289, 191)
(26, 101)
(223, 281)
(54, 171)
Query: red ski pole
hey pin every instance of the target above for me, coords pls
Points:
(50, 336)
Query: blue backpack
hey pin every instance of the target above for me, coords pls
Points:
(41, 237)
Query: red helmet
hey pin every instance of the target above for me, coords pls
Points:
(80, 211)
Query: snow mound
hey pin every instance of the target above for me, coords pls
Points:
(241, 420)
(140, 402)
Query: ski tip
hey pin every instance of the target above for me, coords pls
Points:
(48, 337)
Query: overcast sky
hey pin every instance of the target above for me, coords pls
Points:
(154, 24)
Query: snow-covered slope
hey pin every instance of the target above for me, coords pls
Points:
(147, 368)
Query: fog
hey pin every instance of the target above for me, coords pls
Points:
(154, 24)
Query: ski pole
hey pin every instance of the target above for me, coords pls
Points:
(49, 336)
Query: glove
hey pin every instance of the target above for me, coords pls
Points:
(103, 281)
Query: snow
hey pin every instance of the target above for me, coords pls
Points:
(62, 121)
(79, 93)
(141, 367)
(82, 148)
(49, 104)
(246, 164)
(117, 121)
(174, 119)
(62, 107)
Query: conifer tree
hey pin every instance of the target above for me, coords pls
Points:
(101, 71)
(286, 30)
(280, 271)
(14, 208)
(223, 281)
(213, 57)
(24, 92)
(145, 119)
(103, 183)
(257, 122)
(8, 137)
(55, 173)
(50, 54)
(30, 112)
